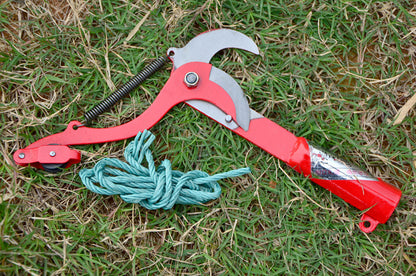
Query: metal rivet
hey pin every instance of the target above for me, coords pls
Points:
(191, 79)
(228, 118)
(52, 154)
(21, 155)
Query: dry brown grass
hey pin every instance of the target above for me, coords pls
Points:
(61, 57)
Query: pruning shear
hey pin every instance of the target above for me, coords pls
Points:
(216, 94)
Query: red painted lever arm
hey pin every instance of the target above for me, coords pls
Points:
(74, 135)
(174, 92)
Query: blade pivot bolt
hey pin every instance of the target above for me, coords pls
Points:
(228, 118)
(52, 154)
(191, 79)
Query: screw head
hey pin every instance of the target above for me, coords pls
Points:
(191, 79)
(21, 155)
(52, 154)
(228, 118)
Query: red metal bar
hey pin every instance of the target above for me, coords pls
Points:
(376, 197)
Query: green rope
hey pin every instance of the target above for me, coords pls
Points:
(152, 187)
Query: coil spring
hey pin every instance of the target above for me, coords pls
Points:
(125, 89)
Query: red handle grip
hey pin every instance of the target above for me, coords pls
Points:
(355, 186)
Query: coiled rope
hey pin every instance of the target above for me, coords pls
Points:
(152, 187)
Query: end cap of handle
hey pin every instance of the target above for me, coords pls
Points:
(368, 224)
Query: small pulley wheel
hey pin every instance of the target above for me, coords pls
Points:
(53, 167)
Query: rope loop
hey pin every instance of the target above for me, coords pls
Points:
(151, 187)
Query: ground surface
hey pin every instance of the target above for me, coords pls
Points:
(340, 73)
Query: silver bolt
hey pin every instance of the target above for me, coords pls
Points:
(21, 155)
(228, 118)
(191, 79)
(52, 154)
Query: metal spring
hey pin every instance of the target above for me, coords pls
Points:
(126, 88)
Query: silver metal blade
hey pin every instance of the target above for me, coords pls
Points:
(204, 46)
(234, 90)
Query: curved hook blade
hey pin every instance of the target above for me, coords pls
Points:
(204, 46)
(236, 93)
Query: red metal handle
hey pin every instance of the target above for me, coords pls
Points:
(376, 197)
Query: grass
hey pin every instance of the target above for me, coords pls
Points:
(336, 72)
